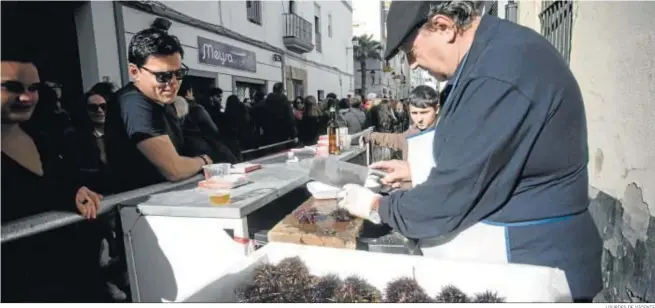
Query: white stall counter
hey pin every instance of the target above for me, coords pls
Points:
(176, 240)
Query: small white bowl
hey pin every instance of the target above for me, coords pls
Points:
(322, 191)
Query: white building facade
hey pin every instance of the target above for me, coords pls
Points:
(386, 79)
(240, 46)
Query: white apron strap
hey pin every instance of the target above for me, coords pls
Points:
(420, 156)
(480, 242)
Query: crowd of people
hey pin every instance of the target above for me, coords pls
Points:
(63, 154)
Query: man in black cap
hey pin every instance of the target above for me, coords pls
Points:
(503, 177)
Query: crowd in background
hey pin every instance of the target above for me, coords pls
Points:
(63, 153)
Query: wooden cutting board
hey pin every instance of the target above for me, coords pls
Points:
(338, 235)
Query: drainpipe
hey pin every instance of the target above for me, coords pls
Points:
(120, 40)
(283, 70)
(511, 9)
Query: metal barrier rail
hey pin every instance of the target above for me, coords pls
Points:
(268, 146)
(47, 221)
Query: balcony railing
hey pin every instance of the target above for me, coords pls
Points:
(297, 33)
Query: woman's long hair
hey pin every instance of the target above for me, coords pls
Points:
(384, 115)
(311, 107)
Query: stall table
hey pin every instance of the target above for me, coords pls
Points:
(177, 241)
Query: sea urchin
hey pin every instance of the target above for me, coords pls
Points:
(488, 297)
(405, 290)
(451, 294)
(356, 290)
(325, 289)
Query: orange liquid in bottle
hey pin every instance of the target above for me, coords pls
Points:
(220, 198)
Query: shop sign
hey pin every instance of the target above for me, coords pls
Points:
(219, 54)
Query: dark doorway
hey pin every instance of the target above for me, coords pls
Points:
(200, 85)
(47, 30)
(248, 90)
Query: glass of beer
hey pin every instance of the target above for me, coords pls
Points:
(219, 196)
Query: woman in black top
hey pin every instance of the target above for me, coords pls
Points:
(55, 266)
(313, 123)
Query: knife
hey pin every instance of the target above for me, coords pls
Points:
(332, 171)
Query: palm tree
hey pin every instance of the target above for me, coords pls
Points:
(364, 48)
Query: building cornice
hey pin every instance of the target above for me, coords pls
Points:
(160, 9)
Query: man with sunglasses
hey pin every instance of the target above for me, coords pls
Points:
(508, 175)
(143, 134)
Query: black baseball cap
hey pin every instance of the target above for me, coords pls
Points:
(403, 18)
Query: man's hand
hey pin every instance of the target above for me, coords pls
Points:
(87, 202)
(398, 171)
(358, 200)
(364, 139)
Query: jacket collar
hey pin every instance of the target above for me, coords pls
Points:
(483, 35)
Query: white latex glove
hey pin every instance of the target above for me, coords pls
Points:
(358, 200)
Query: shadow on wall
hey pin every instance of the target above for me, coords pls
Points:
(628, 233)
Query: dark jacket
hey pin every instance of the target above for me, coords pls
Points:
(275, 118)
(511, 147)
(201, 136)
(354, 118)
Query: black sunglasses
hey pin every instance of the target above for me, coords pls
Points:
(166, 77)
(96, 107)
(18, 87)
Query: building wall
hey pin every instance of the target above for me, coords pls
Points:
(618, 86)
(369, 18)
(96, 27)
(232, 15)
(267, 69)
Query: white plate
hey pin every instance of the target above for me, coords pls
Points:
(322, 191)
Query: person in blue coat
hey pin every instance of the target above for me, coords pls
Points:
(508, 178)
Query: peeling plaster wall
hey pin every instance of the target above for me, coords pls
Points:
(615, 67)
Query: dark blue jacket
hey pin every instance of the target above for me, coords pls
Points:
(511, 147)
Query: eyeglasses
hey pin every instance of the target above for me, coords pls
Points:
(18, 87)
(96, 107)
(166, 77)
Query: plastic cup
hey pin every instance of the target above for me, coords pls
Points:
(220, 196)
(216, 170)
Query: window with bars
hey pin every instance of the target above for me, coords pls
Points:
(557, 25)
(493, 9)
(254, 11)
(317, 28)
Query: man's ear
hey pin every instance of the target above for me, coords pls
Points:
(443, 26)
(133, 70)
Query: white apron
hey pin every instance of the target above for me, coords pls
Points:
(480, 242)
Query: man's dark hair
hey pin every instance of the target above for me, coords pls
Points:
(214, 91)
(152, 42)
(343, 104)
(278, 87)
(423, 97)
(331, 95)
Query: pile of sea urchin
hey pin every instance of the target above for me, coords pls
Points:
(289, 281)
